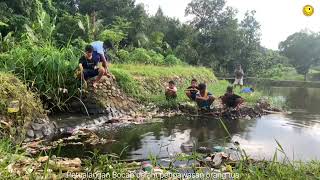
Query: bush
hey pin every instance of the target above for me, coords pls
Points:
(46, 69)
(172, 60)
(140, 55)
(156, 58)
(124, 56)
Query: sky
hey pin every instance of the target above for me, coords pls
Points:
(278, 18)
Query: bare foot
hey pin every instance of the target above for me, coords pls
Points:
(107, 74)
(95, 85)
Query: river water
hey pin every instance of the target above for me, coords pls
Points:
(298, 133)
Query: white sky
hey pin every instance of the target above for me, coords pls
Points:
(278, 18)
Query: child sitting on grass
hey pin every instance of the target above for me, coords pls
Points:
(192, 90)
(231, 100)
(171, 91)
(204, 98)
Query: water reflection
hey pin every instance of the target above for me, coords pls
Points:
(298, 133)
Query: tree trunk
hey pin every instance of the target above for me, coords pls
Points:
(94, 19)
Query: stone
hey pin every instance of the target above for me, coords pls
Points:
(48, 131)
(96, 122)
(39, 135)
(30, 133)
(36, 126)
(43, 159)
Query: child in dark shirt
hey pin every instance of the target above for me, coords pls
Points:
(192, 90)
(89, 66)
(231, 100)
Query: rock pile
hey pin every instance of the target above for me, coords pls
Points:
(40, 128)
(107, 99)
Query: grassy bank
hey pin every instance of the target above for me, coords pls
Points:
(27, 105)
(14, 164)
(147, 82)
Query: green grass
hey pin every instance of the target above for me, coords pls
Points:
(29, 105)
(147, 82)
(45, 69)
(151, 71)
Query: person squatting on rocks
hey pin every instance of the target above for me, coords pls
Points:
(231, 100)
(192, 90)
(171, 91)
(238, 76)
(204, 98)
(90, 67)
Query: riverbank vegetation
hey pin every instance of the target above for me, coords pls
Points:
(14, 164)
(18, 106)
(148, 82)
(41, 42)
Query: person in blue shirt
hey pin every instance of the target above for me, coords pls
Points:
(89, 66)
(99, 52)
(204, 98)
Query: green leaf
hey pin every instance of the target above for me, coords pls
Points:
(3, 24)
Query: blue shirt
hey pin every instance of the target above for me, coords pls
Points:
(98, 48)
(246, 90)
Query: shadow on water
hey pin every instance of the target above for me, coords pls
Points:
(298, 133)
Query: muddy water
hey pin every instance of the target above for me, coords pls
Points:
(298, 133)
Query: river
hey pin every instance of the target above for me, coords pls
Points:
(298, 133)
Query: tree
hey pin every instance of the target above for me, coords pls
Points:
(302, 49)
(218, 35)
(250, 40)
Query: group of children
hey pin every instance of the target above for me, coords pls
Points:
(199, 93)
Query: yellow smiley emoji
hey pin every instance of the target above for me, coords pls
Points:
(308, 10)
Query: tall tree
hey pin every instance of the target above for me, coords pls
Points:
(250, 40)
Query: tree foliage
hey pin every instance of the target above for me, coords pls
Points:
(302, 49)
(214, 37)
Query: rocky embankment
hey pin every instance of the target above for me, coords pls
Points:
(111, 108)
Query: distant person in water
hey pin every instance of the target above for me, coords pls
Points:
(204, 98)
(89, 67)
(171, 91)
(238, 76)
(248, 90)
(192, 90)
(231, 100)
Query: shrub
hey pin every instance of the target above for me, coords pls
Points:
(140, 55)
(156, 58)
(172, 60)
(124, 56)
(46, 69)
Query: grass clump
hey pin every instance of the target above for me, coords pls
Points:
(148, 82)
(30, 107)
(46, 69)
